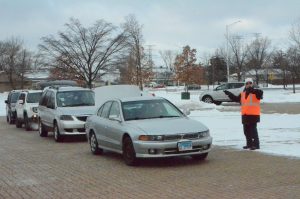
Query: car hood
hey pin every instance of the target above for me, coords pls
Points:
(79, 110)
(168, 126)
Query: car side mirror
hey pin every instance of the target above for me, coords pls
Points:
(21, 102)
(115, 118)
(6, 101)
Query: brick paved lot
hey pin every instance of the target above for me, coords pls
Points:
(34, 167)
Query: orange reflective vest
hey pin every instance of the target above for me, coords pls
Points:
(251, 105)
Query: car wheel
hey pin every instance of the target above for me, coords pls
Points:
(200, 156)
(10, 120)
(94, 145)
(128, 152)
(42, 131)
(26, 123)
(18, 123)
(208, 99)
(57, 136)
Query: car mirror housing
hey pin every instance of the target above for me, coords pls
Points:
(21, 101)
(187, 111)
(6, 101)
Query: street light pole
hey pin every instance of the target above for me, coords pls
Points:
(227, 44)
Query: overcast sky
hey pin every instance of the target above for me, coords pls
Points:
(168, 24)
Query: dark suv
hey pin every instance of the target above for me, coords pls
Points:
(11, 102)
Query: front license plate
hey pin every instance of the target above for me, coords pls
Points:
(185, 146)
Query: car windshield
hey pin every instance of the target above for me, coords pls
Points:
(148, 109)
(14, 97)
(75, 98)
(33, 97)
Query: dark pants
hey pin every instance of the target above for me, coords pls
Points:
(251, 134)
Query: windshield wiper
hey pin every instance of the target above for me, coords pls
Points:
(82, 104)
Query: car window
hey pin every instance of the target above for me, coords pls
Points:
(105, 110)
(14, 97)
(239, 85)
(33, 97)
(222, 87)
(45, 98)
(75, 98)
(149, 109)
(51, 101)
(22, 97)
(114, 110)
(100, 111)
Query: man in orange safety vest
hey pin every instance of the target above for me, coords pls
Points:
(250, 111)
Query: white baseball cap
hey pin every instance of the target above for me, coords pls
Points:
(248, 80)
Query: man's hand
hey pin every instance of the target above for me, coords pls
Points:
(227, 92)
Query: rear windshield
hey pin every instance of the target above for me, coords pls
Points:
(33, 97)
(14, 97)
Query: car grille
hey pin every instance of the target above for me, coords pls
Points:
(188, 136)
(195, 149)
(82, 118)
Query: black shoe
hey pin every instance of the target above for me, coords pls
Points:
(246, 147)
(254, 148)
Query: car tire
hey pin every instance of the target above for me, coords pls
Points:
(42, 130)
(129, 155)
(26, 123)
(18, 123)
(200, 156)
(208, 99)
(10, 120)
(94, 144)
(57, 136)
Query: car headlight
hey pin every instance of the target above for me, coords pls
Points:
(66, 117)
(204, 134)
(151, 137)
(34, 109)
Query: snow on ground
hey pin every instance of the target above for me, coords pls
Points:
(279, 133)
(3, 97)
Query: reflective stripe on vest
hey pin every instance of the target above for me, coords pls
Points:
(251, 105)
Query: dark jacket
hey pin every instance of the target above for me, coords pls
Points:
(247, 119)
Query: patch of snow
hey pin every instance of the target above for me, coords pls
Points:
(3, 97)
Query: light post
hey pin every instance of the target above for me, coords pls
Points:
(227, 44)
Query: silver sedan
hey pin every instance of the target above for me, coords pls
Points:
(146, 127)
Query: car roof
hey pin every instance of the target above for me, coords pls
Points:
(69, 88)
(32, 91)
(141, 98)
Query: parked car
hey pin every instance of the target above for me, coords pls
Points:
(11, 101)
(218, 96)
(146, 127)
(64, 110)
(194, 87)
(27, 108)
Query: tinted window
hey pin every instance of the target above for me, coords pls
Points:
(14, 97)
(147, 109)
(51, 101)
(22, 97)
(33, 97)
(75, 98)
(114, 110)
(44, 100)
(222, 87)
(105, 110)
(239, 85)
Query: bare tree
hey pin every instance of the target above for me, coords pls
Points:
(10, 57)
(294, 33)
(238, 55)
(258, 55)
(168, 57)
(135, 40)
(293, 55)
(24, 64)
(89, 52)
(280, 61)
